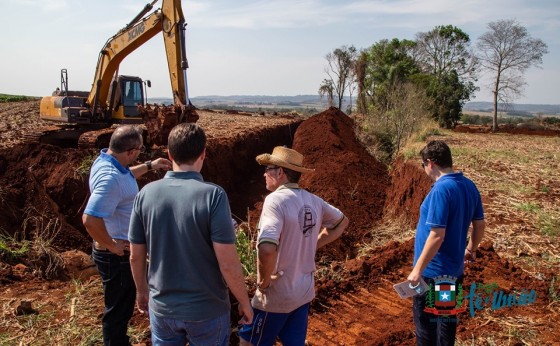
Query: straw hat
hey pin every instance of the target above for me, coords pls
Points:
(284, 157)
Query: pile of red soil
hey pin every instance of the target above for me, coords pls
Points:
(410, 186)
(345, 176)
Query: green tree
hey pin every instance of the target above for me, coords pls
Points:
(340, 70)
(444, 53)
(380, 68)
(507, 50)
(448, 96)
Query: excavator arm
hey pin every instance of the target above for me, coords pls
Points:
(171, 22)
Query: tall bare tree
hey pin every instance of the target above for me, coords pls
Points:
(507, 50)
(444, 49)
(340, 70)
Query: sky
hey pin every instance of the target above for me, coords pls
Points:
(243, 47)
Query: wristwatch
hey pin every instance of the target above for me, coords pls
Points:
(149, 165)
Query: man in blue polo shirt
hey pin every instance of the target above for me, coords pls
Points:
(440, 246)
(106, 218)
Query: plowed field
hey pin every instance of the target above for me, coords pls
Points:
(43, 189)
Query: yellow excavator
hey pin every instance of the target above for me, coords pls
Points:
(117, 99)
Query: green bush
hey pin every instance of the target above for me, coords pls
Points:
(551, 121)
(14, 98)
(475, 119)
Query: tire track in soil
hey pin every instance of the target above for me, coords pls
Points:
(363, 317)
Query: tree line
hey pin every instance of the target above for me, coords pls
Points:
(435, 74)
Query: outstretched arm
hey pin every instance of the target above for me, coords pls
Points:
(141, 169)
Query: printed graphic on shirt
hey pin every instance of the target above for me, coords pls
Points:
(307, 220)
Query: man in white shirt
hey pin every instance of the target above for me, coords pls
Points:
(294, 223)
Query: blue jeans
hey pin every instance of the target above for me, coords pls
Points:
(119, 295)
(433, 330)
(290, 327)
(173, 332)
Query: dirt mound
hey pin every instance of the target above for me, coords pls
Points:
(345, 175)
(410, 186)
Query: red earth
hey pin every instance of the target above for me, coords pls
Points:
(355, 304)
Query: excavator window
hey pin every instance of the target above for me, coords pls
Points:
(133, 93)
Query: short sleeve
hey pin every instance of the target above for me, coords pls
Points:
(478, 211)
(136, 232)
(221, 227)
(438, 210)
(331, 215)
(104, 198)
(271, 222)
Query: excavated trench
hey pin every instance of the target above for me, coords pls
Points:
(42, 182)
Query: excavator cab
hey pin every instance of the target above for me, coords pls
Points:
(128, 95)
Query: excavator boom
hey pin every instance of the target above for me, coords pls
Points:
(170, 21)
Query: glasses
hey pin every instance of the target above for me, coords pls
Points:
(270, 168)
(141, 149)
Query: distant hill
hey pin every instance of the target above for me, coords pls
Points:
(515, 107)
(256, 102)
(314, 102)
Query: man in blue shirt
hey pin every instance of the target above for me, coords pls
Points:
(440, 246)
(106, 218)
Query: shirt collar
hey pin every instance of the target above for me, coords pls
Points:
(288, 186)
(183, 175)
(110, 158)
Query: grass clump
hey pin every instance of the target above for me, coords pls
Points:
(246, 248)
(44, 259)
(12, 250)
(83, 169)
(529, 207)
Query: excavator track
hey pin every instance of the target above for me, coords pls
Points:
(158, 120)
(71, 136)
(65, 136)
(96, 139)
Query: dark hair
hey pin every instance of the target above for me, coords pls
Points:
(186, 143)
(125, 138)
(438, 152)
(293, 176)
